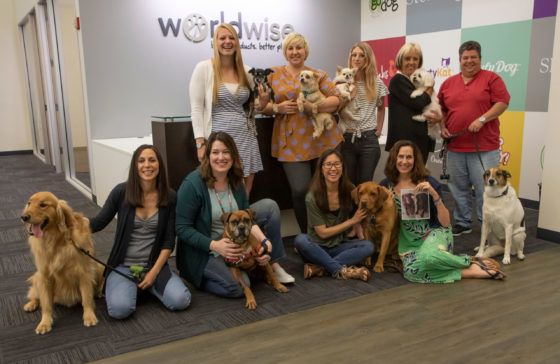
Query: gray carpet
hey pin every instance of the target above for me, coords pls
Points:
(70, 342)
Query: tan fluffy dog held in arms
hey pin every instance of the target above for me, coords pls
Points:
(345, 84)
(311, 93)
(503, 218)
(237, 228)
(381, 223)
(64, 274)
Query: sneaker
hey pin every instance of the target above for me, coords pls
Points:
(460, 230)
(283, 276)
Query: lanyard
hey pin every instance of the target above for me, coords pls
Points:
(220, 200)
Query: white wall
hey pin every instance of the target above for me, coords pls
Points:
(14, 113)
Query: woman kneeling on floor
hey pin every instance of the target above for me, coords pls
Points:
(425, 245)
(327, 246)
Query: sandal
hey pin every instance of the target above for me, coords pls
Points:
(493, 273)
(489, 262)
(353, 272)
(312, 270)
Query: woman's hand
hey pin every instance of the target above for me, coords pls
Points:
(264, 97)
(359, 215)
(287, 107)
(200, 153)
(226, 248)
(265, 258)
(149, 279)
(427, 187)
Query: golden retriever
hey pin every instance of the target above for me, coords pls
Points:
(64, 274)
(381, 223)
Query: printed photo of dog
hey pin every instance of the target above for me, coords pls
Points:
(423, 81)
(310, 92)
(503, 224)
(345, 84)
(237, 228)
(381, 223)
(64, 275)
(260, 78)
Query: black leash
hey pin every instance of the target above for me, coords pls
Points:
(130, 278)
(443, 152)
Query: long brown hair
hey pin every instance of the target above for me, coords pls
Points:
(370, 69)
(318, 185)
(217, 62)
(235, 173)
(419, 171)
(134, 194)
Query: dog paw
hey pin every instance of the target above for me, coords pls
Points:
(90, 320)
(520, 256)
(378, 268)
(480, 253)
(251, 305)
(31, 306)
(43, 327)
(281, 288)
(506, 260)
(415, 94)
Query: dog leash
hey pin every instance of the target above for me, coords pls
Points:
(444, 149)
(129, 277)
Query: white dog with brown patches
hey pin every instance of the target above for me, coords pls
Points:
(503, 224)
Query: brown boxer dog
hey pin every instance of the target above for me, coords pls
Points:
(237, 228)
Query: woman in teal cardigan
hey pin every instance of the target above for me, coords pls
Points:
(214, 188)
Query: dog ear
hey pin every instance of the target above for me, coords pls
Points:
(316, 75)
(382, 196)
(252, 215)
(64, 213)
(268, 71)
(252, 71)
(506, 174)
(338, 69)
(355, 193)
(225, 217)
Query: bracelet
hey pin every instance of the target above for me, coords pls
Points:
(275, 108)
(438, 201)
(264, 246)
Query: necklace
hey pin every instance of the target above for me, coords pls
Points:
(220, 200)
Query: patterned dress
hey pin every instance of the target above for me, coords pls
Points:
(292, 139)
(425, 251)
(228, 115)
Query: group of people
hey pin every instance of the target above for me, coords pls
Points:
(322, 172)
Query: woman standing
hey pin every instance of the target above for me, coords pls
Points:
(402, 107)
(360, 149)
(145, 236)
(214, 188)
(219, 95)
(292, 141)
(327, 245)
(425, 245)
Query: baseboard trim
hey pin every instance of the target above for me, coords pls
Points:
(553, 236)
(16, 152)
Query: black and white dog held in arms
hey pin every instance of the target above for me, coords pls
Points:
(260, 78)
(503, 224)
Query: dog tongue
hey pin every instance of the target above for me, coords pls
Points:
(36, 230)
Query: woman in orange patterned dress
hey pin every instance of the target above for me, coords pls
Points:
(292, 141)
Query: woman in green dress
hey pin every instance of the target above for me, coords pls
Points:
(426, 245)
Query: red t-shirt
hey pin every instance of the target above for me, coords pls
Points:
(465, 103)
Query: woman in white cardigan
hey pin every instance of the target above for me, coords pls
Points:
(219, 89)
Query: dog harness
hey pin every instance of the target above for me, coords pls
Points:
(252, 253)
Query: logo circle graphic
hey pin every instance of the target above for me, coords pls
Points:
(195, 27)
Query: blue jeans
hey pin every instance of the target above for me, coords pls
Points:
(332, 259)
(361, 157)
(120, 294)
(217, 278)
(465, 171)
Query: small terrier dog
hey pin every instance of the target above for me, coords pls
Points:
(310, 92)
(503, 224)
(424, 80)
(344, 81)
(260, 78)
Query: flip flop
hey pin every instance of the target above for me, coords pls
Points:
(489, 262)
(497, 274)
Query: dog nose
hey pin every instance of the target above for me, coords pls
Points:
(25, 218)
(491, 182)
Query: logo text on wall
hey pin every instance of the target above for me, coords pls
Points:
(262, 35)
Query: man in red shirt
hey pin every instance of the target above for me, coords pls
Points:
(471, 101)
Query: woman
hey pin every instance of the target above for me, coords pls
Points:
(292, 141)
(402, 107)
(360, 149)
(219, 95)
(145, 236)
(425, 245)
(214, 188)
(327, 245)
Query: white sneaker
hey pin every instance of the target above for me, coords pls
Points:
(245, 278)
(283, 276)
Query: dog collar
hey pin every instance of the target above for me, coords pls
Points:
(503, 193)
(307, 93)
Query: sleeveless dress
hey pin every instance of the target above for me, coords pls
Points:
(228, 115)
(425, 251)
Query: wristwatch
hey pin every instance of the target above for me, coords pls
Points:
(482, 120)
(200, 144)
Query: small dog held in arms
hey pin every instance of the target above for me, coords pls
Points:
(345, 84)
(424, 80)
(237, 228)
(503, 224)
(310, 92)
(260, 78)
(64, 275)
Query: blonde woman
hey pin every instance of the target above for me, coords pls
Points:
(292, 141)
(219, 89)
(361, 150)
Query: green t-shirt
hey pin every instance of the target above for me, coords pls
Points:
(316, 217)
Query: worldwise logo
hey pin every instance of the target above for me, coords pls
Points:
(195, 27)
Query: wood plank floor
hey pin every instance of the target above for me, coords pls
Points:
(473, 321)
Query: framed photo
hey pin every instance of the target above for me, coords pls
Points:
(415, 205)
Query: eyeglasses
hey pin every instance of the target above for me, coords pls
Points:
(330, 165)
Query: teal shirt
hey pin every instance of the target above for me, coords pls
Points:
(193, 225)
